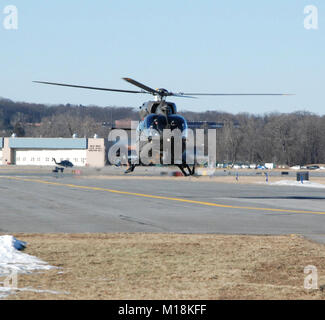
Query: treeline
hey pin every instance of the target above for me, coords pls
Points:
(292, 139)
(288, 139)
(39, 120)
(295, 138)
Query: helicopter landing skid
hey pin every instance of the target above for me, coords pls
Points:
(190, 172)
(185, 168)
(130, 169)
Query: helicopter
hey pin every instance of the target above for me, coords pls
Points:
(61, 165)
(160, 114)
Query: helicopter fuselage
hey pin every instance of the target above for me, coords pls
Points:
(159, 117)
(157, 107)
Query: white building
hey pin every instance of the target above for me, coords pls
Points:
(41, 151)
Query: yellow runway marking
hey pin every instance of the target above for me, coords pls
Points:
(211, 204)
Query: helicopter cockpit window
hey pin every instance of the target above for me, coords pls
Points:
(155, 122)
(178, 122)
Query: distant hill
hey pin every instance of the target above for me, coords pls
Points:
(28, 118)
(30, 115)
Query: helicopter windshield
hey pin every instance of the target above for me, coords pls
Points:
(156, 122)
(177, 122)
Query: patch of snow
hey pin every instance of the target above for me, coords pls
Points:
(6, 291)
(13, 261)
(298, 184)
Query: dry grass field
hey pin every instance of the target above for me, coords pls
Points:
(171, 266)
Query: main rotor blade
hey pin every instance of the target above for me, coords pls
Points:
(85, 87)
(180, 95)
(142, 86)
(236, 94)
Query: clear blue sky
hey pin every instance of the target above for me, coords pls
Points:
(184, 45)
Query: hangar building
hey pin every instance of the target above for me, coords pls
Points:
(41, 151)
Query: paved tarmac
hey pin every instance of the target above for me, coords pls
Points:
(44, 203)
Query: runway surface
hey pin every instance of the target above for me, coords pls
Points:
(42, 204)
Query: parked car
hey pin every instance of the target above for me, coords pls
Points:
(312, 167)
